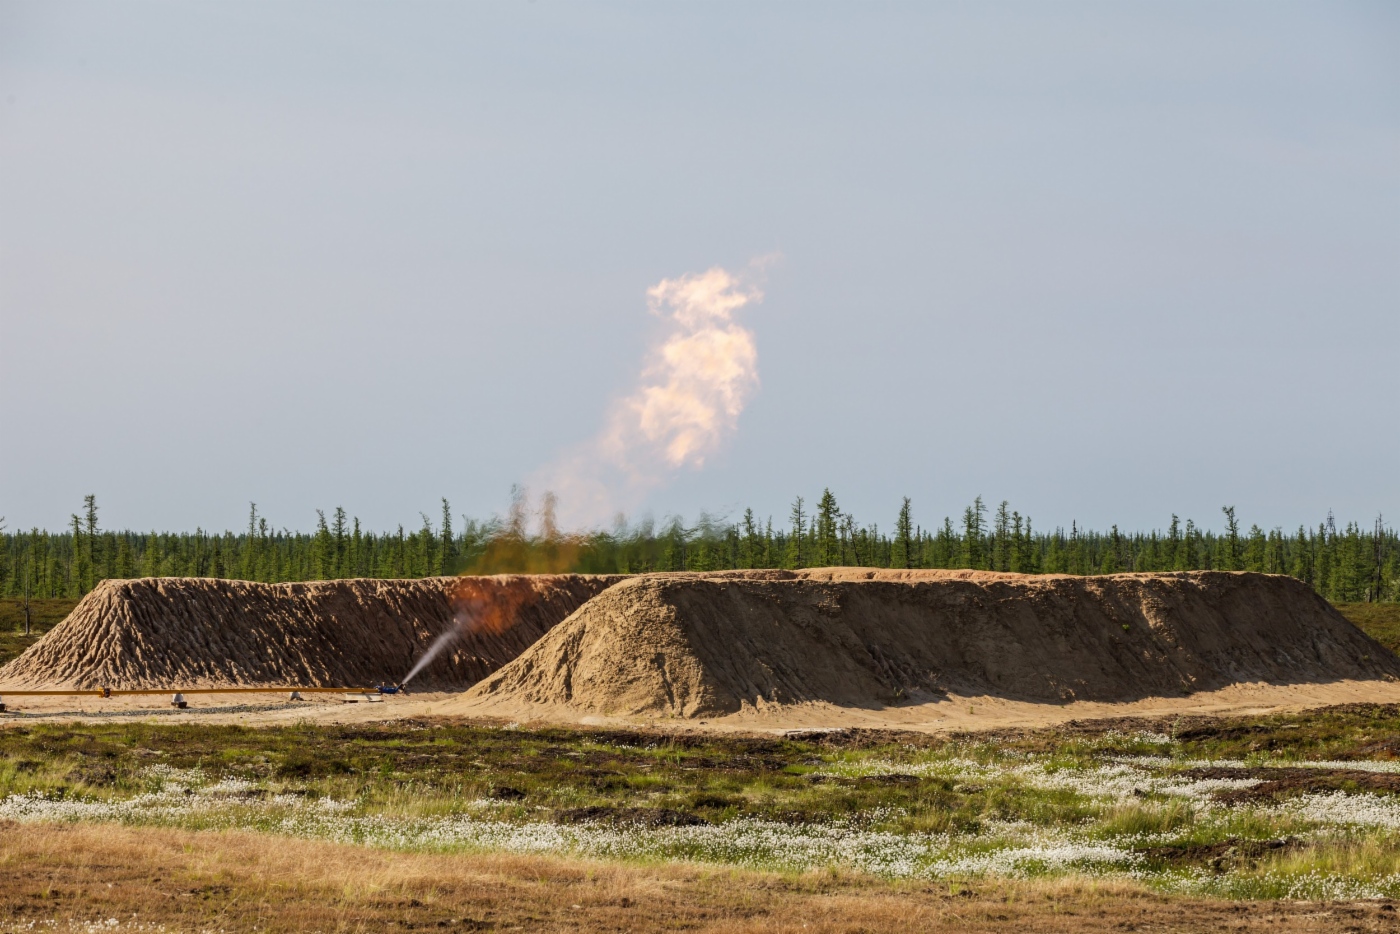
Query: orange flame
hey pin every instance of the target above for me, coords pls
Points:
(488, 605)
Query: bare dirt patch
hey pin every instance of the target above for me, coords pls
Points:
(1276, 784)
(1221, 855)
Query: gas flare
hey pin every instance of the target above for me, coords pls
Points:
(480, 605)
(686, 404)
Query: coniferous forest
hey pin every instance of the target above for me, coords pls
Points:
(1345, 564)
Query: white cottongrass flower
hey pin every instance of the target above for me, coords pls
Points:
(164, 775)
(740, 842)
(1141, 736)
(1316, 885)
(934, 768)
(1118, 781)
(1357, 765)
(187, 797)
(232, 787)
(1027, 860)
(1338, 807)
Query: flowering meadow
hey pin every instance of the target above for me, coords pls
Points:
(1273, 809)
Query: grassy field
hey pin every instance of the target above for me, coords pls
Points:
(43, 616)
(1273, 807)
(1381, 621)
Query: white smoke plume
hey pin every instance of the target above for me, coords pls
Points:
(686, 404)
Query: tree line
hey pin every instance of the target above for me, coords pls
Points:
(1344, 564)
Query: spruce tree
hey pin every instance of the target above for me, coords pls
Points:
(27, 566)
(125, 565)
(1054, 552)
(751, 544)
(1375, 585)
(340, 530)
(1112, 561)
(1076, 550)
(322, 550)
(1232, 539)
(828, 549)
(248, 565)
(1187, 554)
(901, 549)
(93, 552)
(357, 546)
(974, 530)
(1256, 550)
(1018, 545)
(1001, 538)
(78, 565)
(445, 561)
(850, 543)
(799, 526)
(425, 557)
(1032, 561)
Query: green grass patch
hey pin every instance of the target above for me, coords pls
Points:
(1345, 732)
(43, 616)
(1380, 621)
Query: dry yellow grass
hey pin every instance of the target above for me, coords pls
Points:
(185, 881)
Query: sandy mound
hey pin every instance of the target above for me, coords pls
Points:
(721, 644)
(192, 632)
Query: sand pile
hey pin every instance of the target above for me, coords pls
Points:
(196, 632)
(720, 644)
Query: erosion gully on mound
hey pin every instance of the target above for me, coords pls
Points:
(712, 645)
(197, 632)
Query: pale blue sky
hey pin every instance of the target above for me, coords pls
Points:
(1108, 261)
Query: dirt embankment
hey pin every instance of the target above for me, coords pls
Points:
(719, 644)
(195, 632)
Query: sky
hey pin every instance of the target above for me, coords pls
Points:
(1106, 261)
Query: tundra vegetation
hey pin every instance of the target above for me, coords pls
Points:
(1288, 806)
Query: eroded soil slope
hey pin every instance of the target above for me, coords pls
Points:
(160, 632)
(719, 644)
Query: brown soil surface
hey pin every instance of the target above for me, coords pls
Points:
(967, 715)
(75, 877)
(1278, 783)
(734, 644)
(1233, 853)
(196, 632)
(741, 650)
